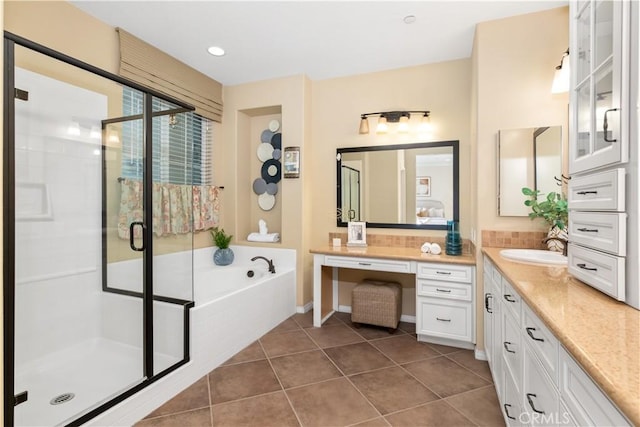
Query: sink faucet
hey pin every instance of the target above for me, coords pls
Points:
(564, 242)
(272, 268)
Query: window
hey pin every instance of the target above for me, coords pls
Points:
(182, 143)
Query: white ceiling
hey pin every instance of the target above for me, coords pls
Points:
(322, 39)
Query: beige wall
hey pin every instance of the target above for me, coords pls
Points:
(514, 61)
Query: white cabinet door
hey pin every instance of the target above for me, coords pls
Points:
(540, 398)
(599, 135)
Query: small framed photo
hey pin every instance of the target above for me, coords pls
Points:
(357, 234)
(292, 162)
(423, 186)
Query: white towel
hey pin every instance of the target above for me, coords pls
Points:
(269, 237)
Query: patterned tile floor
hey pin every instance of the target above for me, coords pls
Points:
(337, 375)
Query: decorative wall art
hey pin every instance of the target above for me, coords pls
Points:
(292, 162)
(423, 186)
(269, 152)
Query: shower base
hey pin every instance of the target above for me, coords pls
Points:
(94, 371)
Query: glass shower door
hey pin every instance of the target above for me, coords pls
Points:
(76, 346)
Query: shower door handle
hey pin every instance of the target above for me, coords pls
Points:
(20, 398)
(131, 233)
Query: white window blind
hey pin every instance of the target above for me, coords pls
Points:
(182, 144)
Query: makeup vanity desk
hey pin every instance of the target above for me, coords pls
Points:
(444, 284)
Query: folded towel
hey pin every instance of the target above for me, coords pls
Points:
(426, 247)
(269, 237)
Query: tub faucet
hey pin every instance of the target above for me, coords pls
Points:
(272, 268)
(564, 242)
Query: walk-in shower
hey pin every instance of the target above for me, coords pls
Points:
(77, 338)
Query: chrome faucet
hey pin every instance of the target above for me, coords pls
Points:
(565, 243)
(272, 268)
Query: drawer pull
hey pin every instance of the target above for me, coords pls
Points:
(588, 230)
(507, 343)
(506, 411)
(529, 396)
(443, 320)
(583, 193)
(486, 302)
(529, 331)
(584, 267)
(447, 273)
(448, 291)
(364, 263)
(509, 298)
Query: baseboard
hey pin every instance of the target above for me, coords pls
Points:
(480, 355)
(305, 308)
(403, 318)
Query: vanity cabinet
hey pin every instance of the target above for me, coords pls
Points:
(445, 307)
(537, 381)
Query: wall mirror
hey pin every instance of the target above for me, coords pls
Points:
(527, 157)
(399, 186)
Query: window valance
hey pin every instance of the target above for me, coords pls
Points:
(151, 67)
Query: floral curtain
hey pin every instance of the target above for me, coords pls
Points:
(177, 209)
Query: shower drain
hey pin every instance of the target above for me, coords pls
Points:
(62, 398)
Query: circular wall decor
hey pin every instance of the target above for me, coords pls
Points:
(265, 152)
(266, 201)
(277, 153)
(271, 171)
(259, 186)
(276, 140)
(266, 136)
(274, 125)
(272, 188)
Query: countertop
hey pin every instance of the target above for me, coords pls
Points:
(397, 253)
(602, 334)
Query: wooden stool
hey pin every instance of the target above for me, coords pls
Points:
(377, 303)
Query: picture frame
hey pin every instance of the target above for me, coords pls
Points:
(291, 162)
(357, 234)
(423, 186)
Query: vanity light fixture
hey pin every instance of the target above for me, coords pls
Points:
(561, 76)
(385, 117)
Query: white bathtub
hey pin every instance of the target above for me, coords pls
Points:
(231, 311)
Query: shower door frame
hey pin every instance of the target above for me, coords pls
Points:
(10, 400)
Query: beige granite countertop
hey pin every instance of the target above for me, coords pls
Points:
(397, 253)
(602, 334)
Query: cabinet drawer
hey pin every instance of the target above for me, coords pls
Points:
(511, 348)
(584, 399)
(375, 264)
(602, 271)
(603, 231)
(540, 398)
(456, 291)
(447, 272)
(446, 319)
(511, 404)
(511, 300)
(543, 343)
(598, 191)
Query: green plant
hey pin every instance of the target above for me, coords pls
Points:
(220, 238)
(553, 208)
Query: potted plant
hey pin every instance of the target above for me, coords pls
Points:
(224, 254)
(554, 210)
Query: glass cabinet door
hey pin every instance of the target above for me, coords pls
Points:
(599, 137)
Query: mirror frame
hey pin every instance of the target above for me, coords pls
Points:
(454, 144)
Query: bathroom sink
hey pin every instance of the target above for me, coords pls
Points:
(535, 256)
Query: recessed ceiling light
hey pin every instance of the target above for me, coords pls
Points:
(216, 51)
(409, 19)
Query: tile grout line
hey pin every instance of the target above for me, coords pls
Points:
(293, 409)
(468, 369)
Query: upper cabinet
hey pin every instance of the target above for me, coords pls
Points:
(599, 134)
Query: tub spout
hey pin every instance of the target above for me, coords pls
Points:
(272, 268)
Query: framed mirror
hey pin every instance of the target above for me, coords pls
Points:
(527, 157)
(399, 186)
